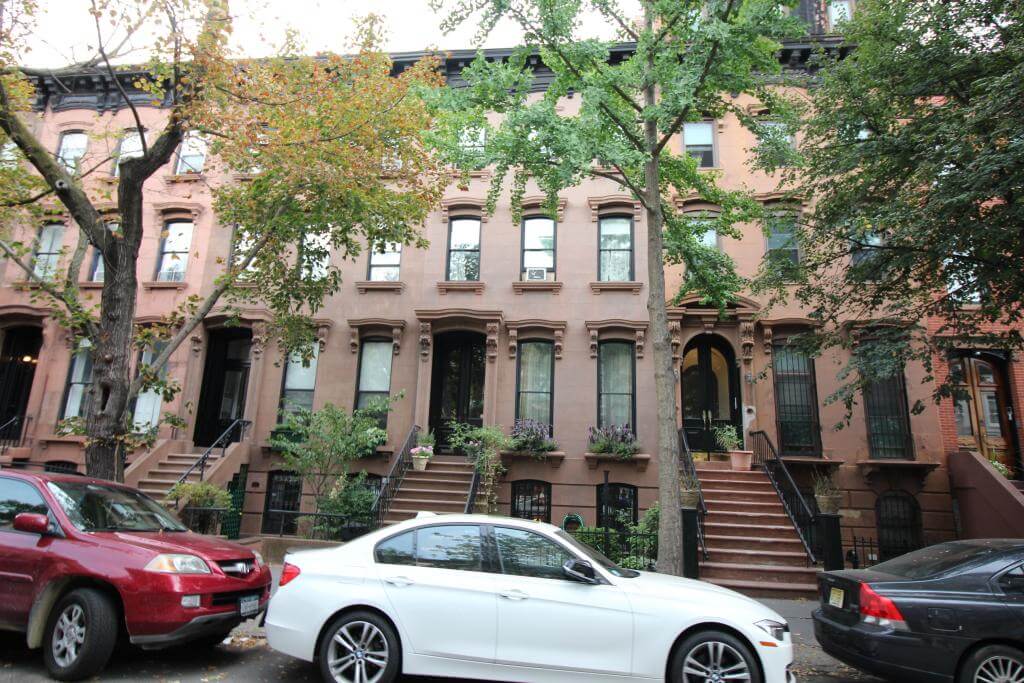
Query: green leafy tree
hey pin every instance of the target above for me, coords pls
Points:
(329, 152)
(914, 172)
(689, 58)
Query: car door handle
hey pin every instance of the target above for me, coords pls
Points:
(514, 594)
(400, 581)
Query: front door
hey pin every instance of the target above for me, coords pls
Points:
(984, 421)
(18, 359)
(710, 388)
(457, 385)
(225, 380)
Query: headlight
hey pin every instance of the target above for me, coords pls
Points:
(775, 629)
(178, 564)
(259, 558)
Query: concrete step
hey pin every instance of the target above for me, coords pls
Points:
(437, 483)
(409, 503)
(758, 572)
(724, 505)
(739, 475)
(760, 589)
(449, 469)
(737, 485)
(432, 493)
(718, 541)
(746, 529)
(754, 519)
(717, 491)
(788, 558)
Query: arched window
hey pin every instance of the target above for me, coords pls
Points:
(531, 499)
(898, 517)
(618, 507)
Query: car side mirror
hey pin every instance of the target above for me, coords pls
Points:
(32, 523)
(579, 570)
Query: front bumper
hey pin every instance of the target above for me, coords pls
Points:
(882, 652)
(206, 625)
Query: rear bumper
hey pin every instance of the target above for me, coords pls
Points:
(881, 653)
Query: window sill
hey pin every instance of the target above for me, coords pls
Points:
(62, 438)
(474, 286)
(553, 458)
(552, 286)
(364, 286)
(870, 468)
(639, 460)
(27, 284)
(160, 284)
(91, 284)
(628, 286)
(184, 178)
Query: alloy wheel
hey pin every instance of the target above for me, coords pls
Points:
(1000, 669)
(68, 635)
(358, 653)
(716, 662)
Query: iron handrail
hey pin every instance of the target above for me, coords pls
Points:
(221, 442)
(792, 499)
(474, 486)
(688, 467)
(7, 442)
(389, 487)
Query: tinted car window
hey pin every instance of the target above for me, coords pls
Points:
(17, 497)
(449, 547)
(1012, 582)
(940, 559)
(400, 549)
(524, 553)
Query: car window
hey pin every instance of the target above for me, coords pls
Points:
(1012, 582)
(400, 549)
(524, 553)
(17, 497)
(449, 546)
(942, 558)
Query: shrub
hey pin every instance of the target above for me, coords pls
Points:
(1001, 468)
(199, 494)
(617, 440)
(531, 436)
(727, 437)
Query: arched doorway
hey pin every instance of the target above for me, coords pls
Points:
(457, 382)
(982, 406)
(19, 356)
(710, 387)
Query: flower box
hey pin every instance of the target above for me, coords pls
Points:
(553, 458)
(639, 460)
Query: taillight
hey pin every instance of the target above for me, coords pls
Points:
(288, 572)
(878, 609)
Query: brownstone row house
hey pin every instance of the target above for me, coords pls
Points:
(543, 318)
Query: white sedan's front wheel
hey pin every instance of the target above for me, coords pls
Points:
(359, 647)
(713, 657)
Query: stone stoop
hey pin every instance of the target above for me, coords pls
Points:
(752, 545)
(441, 488)
(166, 473)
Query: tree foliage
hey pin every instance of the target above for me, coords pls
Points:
(914, 170)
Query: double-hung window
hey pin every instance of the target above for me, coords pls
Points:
(783, 248)
(796, 401)
(777, 132)
(616, 384)
(385, 262)
(174, 250)
(315, 255)
(48, 247)
(149, 402)
(97, 269)
(71, 149)
(888, 420)
(130, 148)
(192, 155)
(699, 139)
(865, 248)
(615, 249)
(463, 250)
(299, 382)
(535, 383)
(374, 374)
(79, 378)
(538, 261)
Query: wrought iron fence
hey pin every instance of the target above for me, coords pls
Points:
(633, 550)
(204, 520)
(862, 552)
(320, 526)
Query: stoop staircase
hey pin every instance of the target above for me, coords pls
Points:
(752, 545)
(442, 488)
(166, 472)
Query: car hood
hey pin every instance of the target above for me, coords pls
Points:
(178, 542)
(665, 587)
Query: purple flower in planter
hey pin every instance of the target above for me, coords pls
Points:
(614, 439)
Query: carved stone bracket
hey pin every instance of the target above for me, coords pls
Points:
(492, 341)
(559, 342)
(196, 341)
(353, 339)
(513, 341)
(640, 338)
(259, 340)
(747, 341)
(593, 343)
(613, 329)
(425, 339)
(766, 333)
(323, 331)
(362, 327)
(675, 331)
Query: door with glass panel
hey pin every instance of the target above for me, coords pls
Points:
(225, 381)
(457, 384)
(983, 414)
(710, 391)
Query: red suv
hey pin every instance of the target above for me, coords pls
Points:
(84, 561)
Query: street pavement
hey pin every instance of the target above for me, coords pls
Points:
(246, 657)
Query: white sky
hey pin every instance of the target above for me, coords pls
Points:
(66, 30)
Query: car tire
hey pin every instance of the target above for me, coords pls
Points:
(359, 639)
(80, 636)
(704, 651)
(999, 657)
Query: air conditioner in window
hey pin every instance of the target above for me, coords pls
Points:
(536, 273)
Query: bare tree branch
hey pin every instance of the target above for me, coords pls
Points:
(117, 81)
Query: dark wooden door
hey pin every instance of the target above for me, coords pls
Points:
(457, 384)
(225, 381)
(18, 360)
(710, 391)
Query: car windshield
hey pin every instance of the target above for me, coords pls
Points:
(96, 507)
(598, 557)
(939, 559)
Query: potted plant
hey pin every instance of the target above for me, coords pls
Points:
(423, 451)
(827, 494)
(689, 490)
(728, 439)
(617, 440)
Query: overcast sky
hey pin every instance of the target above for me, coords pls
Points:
(323, 25)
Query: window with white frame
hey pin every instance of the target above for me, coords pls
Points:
(174, 250)
(374, 385)
(97, 269)
(538, 249)
(79, 378)
(699, 139)
(535, 382)
(299, 381)
(146, 416)
(48, 248)
(243, 245)
(464, 249)
(838, 12)
(615, 249)
(315, 255)
(616, 384)
(130, 148)
(192, 155)
(385, 262)
(783, 248)
(71, 149)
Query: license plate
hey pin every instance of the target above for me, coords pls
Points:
(835, 598)
(249, 605)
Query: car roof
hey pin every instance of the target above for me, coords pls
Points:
(43, 477)
(426, 519)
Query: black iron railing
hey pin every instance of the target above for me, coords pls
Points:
(793, 501)
(474, 486)
(10, 434)
(203, 520)
(631, 549)
(222, 442)
(389, 486)
(319, 526)
(688, 469)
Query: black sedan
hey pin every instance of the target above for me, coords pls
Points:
(950, 612)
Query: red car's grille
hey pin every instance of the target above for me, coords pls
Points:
(239, 568)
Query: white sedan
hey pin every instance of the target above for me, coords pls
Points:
(471, 596)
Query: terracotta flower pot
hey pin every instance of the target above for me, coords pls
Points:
(829, 504)
(420, 464)
(740, 460)
(689, 498)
